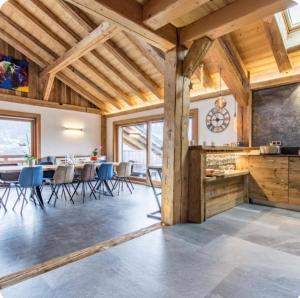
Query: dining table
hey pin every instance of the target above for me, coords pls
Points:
(9, 169)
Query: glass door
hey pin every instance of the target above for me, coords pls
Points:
(134, 145)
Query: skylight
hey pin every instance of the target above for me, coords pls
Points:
(292, 16)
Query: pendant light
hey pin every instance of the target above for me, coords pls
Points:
(220, 103)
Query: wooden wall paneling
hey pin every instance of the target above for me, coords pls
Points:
(294, 180)
(196, 202)
(269, 178)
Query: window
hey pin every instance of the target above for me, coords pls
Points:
(20, 135)
(140, 141)
(16, 137)
(292, 18)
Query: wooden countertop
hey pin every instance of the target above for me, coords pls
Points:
(228, 174)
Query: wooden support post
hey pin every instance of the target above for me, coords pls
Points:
(244, 124)
(175, 146)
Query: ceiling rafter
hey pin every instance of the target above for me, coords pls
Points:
(42, 63)
(102, 33)
(224, 54)
(133, 68)
(88, 28)
(204, 76)
(92, 88)
(158, 13)
(149, 52)
(128, 16)
(232, 17)
(83, 20)
(277, 45)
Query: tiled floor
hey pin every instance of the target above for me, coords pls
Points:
(249, 251)
(39, 235)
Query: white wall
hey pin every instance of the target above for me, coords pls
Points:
(204, 134)
(57, 141)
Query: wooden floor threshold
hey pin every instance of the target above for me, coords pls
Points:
(44, 267)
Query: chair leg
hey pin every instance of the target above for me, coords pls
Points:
(129, 180)
(53, 187)
(75, 190)
(69, 194)
(92, 190)
(18, 198)
(56, 194)
(127, 185)
(108, 188)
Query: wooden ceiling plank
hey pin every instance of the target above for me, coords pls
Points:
(48, 86)
(42, 63)
(90, 86)
(158, 13)
(232, 17)
(127, 15)
(133, 68)
(102, 33)
(195, 55)
(122, 77)
(149, 52)
(277, 45)
(108, 83)
(88, 27)
(238, 83)
(204, 76)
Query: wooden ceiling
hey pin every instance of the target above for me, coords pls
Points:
(111, 61)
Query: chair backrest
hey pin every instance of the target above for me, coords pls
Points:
(31, 176)
(88, 172)
(105, 171)
(45, 163)
(124, 169)
(64, 174)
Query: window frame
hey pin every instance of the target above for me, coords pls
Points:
(35, 119)
(287, 20)
(147, 120)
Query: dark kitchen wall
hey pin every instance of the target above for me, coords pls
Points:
(276, 116)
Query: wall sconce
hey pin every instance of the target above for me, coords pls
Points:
(73, 129)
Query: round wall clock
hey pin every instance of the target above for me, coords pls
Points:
(217, 120)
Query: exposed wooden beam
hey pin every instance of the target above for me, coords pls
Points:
(49, 56)
(149, 52)
(127, 15)
(231, 18)
(48, 104)
(175, 145)
(204, 76)
(224, 55)
(102, 33)
(284, 80)
(133, 68)
(158, 13)
(48, 86)
(88, 26)
(195, 55)
(277, 45)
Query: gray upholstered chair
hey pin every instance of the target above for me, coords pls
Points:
(63, 177)
(123, 173)
(87, 176)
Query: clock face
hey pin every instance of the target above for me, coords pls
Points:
(217, 120)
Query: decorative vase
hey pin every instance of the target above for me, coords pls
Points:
(94, 158)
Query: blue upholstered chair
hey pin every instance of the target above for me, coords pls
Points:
(104, 173)
(30, 178)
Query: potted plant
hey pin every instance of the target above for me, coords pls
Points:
(94, 156)
(30, 160)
